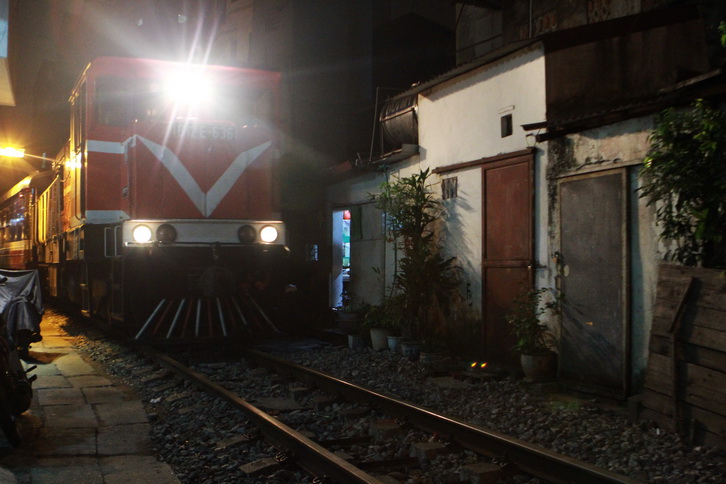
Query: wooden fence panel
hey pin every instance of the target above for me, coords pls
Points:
(685, 380)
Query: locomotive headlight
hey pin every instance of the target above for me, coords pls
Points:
(141, 234)
(247, 234)
(189, 87)
(268, 234)
(166, 234)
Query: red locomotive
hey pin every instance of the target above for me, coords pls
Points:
(164, 210)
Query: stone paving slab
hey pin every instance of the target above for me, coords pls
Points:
(73, 365)
(51, 381)
(51, 341)
(89, 381)
(121, 413)
(81, 427)
(70, 416)
(124, 439)
(48, 369)
(65, 470)
(103, 394)
(60, 396)
(71, 442)
(135, 468)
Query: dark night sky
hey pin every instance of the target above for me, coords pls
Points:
(51, 41)
(31, 48)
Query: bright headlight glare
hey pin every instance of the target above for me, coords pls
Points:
(141, 234)
(189, 87)
(268, 234)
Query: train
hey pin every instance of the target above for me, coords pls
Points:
(161, 214)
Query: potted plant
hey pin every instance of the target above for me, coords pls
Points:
(349, 316)
(385, 321)
(424, 279)
(533, 339)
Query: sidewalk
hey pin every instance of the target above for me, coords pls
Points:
(82, 427)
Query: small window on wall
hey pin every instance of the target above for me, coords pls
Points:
(506, 125)
(449, 188)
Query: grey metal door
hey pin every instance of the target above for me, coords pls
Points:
(594, 343)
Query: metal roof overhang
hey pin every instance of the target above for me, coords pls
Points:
(706, 85)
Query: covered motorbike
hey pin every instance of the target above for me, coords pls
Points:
(21, 308)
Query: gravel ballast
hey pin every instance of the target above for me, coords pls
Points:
(188, 426)
(583, 429)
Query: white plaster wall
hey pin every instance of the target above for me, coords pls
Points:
(459, 121)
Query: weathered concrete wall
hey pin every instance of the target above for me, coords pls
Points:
(620, 145)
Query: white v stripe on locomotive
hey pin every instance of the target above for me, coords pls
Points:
(231, 175)
(206, 203)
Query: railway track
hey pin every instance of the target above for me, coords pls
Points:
(310, 455)
(531, 459)
(329, 459)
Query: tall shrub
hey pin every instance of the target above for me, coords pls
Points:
(424, 277)
(685, 178)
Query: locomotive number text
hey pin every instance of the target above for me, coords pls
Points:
(207, 131)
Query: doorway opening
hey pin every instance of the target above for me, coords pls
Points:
(341, 271)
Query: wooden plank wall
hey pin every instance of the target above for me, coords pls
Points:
(685, 381)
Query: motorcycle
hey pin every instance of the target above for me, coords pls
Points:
(21, 310)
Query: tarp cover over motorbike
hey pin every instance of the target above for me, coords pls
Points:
(21, 301)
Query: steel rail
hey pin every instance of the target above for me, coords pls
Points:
(532, 459)
(307, 454)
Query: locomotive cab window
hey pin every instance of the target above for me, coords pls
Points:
(121, 101)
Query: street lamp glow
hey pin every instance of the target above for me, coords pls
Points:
(12, 152)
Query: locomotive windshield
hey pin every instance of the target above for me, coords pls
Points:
(122, 101)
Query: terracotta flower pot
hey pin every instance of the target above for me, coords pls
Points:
(538, 367)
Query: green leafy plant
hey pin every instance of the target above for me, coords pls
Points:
(424, 278)
(524, 320)
(390, 314)
(684, 177)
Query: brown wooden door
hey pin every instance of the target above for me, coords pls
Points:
(507, 226)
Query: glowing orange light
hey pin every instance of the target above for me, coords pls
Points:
(13, 152)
